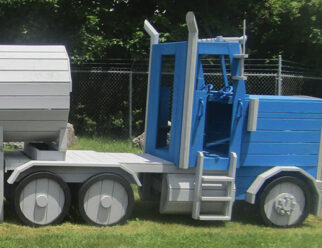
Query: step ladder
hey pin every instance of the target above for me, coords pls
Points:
(209, 181)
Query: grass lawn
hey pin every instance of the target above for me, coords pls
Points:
(147, 228)
(105, 145)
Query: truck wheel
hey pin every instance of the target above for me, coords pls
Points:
(285, 202)
(106, 200)
(42, 199)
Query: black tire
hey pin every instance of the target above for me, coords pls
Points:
(298, 217)
(41, 175)
(111, 177)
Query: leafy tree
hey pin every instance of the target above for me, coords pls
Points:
(97, 30)
(288, 27)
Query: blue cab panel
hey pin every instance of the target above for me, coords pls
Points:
(166, 100)
(288, 134)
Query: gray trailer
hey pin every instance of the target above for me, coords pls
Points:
(35, 86)
(204, 148)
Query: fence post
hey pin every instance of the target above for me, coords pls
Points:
(279, 76)
(130, 103)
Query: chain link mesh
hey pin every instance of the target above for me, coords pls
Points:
(100, 100)
(292, 85)
(139, 101)
(261, 84)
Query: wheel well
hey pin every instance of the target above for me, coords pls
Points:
(126, 176)
(151, 186)
(296, 174)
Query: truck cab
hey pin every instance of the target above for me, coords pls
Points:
(227, 132)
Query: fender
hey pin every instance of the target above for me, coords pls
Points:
(62, 164)
(262, 178)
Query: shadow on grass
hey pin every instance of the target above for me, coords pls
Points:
(246, 213)
(243, 213)
(11, 217)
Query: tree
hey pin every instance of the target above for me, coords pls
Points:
(97, 30)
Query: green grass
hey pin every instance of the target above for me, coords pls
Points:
(147, 228)
(105, 145)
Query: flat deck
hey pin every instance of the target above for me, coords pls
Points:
(79, 158)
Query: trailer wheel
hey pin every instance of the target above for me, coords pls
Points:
(106, 200)
(285, 202)
(42, 199)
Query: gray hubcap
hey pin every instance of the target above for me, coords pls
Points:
(285, 204)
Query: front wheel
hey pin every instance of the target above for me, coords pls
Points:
(285, 202)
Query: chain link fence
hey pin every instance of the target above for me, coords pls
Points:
(109, 99)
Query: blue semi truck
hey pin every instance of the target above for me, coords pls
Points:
(204, 149)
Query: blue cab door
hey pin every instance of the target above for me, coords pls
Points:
(166, 100)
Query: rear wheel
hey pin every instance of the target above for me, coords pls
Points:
(284, 202)
(106, 200)
(42, 199)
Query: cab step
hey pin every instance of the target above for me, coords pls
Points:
(216, 198)
(221, 182)
(217, 179)
(214, 217)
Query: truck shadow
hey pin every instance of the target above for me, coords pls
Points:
(10, 215)
(243, 213)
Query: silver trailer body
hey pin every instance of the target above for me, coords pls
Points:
(35, 83)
